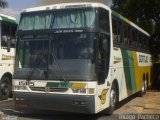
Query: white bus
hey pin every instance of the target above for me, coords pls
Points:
(78, 57)
(8, 28)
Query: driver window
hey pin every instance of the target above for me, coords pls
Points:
(104, 21)
(104, 55)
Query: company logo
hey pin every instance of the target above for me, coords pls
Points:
(47, 89)
(103, 96)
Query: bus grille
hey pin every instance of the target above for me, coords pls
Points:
(43, 89)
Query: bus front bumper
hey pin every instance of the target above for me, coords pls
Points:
(57, 102)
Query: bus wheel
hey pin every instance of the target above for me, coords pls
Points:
(113, 100)
(5, 88)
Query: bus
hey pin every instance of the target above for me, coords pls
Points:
(8, 26)
(78, 57)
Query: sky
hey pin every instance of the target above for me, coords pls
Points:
(16, 6)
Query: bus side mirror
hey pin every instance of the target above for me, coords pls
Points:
(8, 45)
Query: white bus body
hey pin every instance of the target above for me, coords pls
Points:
(7, 54)
(67, 82)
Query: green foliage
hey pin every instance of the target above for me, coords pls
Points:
(142, 12)
(3, 3)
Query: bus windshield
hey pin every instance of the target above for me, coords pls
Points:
(78, 18)
(68, 55)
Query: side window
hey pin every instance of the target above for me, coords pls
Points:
(146, 43)
(8, 34)
(117, 30)
(114, 28)
(5, 31)
(134, 38)
(129, 36)
(125, 34)
(104, 21)
(13, 35)
(140, 40)
(143, 42)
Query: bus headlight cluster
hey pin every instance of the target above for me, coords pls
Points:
(75, 90)
(19, 88)
(84, 90)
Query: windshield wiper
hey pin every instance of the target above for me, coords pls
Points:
(55, 61)
(59, 67)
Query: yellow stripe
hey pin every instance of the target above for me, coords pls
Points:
(140, 71)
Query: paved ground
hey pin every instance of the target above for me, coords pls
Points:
(148, 104)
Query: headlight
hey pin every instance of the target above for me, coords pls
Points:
(82, 88)
(75, 90)
(19, 88)
(84, 91)
(79, 90)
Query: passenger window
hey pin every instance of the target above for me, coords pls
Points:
(8, 35)
(140, 41)
(114, 27)
(117, 32)
(146, 43)
(134, 39)
(129, 36)
(125, 35)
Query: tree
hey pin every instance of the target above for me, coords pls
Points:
(146, 14)
(3, 3)
(142, 12)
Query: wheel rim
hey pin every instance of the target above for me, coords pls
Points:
(113, 98)
(5, 87)
(143, 86)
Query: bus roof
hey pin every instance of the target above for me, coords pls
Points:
(83, 4)
(66, 5)
(7, 18)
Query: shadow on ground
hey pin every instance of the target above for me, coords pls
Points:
(50, 115)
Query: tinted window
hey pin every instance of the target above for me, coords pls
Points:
(115, 33)
(8, 34)
(104, 21)
(77, 18)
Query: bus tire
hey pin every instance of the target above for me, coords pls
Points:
(5, 88)
(113, 100)
(144, 88)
